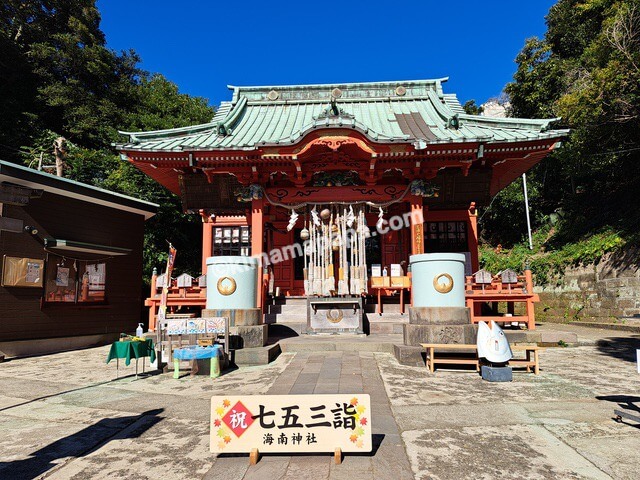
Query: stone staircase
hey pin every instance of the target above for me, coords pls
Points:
(390, 322)
(287, 317)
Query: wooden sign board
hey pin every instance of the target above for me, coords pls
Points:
(483, 277)
(509, 276)
(184, 281)
(217, 325)
(22, 272)
(196, 326)
(291, 423)
(176, 326)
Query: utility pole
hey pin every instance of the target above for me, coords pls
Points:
(59, 152)
(526, 208)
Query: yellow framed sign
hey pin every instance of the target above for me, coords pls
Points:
(291, 423)
(22, 272)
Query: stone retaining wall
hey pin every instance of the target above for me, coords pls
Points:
(606, 291)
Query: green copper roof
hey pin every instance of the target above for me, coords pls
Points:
(28, 177)
(416, 112)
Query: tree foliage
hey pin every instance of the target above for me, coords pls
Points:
(585, 70)
(470, 107)
(58, 78)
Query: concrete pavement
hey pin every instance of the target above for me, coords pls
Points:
(65, 416)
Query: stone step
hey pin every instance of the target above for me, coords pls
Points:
(298, 301)
(387, 323)
(285, 318)
(283, 304)
(610, 326)
(384, 328)
(388, 317)
(410, 355)
(287, 309)
(599, 312)
(256, 355)
(386, 308)
(354, 344)
(286, 330)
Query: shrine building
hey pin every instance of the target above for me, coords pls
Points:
(275, 159)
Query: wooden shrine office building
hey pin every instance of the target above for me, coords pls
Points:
(71, 266)
(383, 149)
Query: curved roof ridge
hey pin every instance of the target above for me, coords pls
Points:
(381, 111)
(431, 81)
(511, 122)
(168, 132)
(441, 107)
(225, 125)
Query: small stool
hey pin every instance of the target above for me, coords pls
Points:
(194, 352)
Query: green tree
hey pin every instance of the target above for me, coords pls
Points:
(58, 78)
(73, 84)
(160, 106)
(585, 71)
(471, 108)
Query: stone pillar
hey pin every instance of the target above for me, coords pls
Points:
(440, 316)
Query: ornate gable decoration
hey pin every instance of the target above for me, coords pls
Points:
(333, 111)
(334, 142)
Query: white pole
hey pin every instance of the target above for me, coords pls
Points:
(526, 207)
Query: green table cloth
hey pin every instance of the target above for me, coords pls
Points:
(128, 350)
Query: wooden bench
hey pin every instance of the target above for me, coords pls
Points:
(531, 359)
(450, 347)
(527, 362)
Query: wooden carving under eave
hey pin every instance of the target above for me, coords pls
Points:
(329, 194)
(336, 142)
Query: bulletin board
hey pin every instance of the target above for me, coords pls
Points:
(22, 272)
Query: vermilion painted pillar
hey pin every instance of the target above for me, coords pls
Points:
(417, 227)
(473, 236)
(207, 244)
(257, 236)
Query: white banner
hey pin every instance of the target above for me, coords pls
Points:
(291, 423)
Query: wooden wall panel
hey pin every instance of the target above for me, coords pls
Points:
(22, 315)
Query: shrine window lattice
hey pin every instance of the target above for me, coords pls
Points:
(232, 241)
(446, 237)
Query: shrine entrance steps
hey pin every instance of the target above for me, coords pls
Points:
(391, 321)
(340, 343)
(287, 317)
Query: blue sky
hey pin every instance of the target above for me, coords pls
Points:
(203, 46)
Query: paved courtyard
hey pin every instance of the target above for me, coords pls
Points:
(65, 416)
